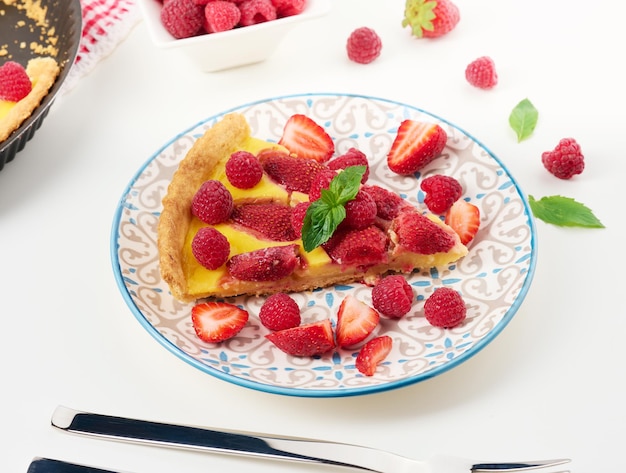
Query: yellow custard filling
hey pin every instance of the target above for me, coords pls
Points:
(5, 108)
(200, 279)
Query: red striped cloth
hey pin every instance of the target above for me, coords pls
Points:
(105, 24)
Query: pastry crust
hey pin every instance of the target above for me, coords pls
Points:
(224, 138)
(43, 72)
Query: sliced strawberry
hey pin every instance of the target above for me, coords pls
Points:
(267, 264)
(419, 234)
(271, 220)
(355, 321)
(306, 139)
(416, 144)
(364, 247)
(464, 218)
(305, 340)
(296, 174)
(372, 354)
(217, 321)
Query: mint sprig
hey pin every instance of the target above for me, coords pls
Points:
(523, 119)
(563, 212)
(326, 213)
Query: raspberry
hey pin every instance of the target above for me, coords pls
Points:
(481, 73)
(565, 160)
(297, 217)
(279, 312)
(220, 15)
(243, 169)
(182, 18)
(288, 7)
(388, 204)
(352, 157)
(364, 45)
(213, 203)
(360, 211)
(392, 296)
(210, 248)
(14, 82)
(441, 192)
(445, 308)
(320, 181)
(256, 11)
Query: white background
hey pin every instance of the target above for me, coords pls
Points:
(552, 383)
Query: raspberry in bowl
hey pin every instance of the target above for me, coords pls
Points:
(216, 37)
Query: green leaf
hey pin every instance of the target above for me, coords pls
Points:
(563, 212)
(523, 119)
(347, 183)
(326, 213)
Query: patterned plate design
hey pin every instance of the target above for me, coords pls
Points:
(493, 278)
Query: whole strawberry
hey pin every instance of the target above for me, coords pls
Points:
(430, 18)
(481, 73)
(565, 160)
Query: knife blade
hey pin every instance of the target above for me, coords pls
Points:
(229, 441)
(50, 465)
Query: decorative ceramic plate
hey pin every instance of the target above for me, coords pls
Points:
(493, 278)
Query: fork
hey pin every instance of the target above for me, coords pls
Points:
(268, 446)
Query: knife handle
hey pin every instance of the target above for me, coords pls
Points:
(49, 465)
(230, 442)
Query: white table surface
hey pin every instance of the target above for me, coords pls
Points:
(550, 385)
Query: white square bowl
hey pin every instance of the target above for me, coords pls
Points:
(237, 47)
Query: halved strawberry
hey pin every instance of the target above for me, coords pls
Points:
(372, 354)
(267, 264)
(464, 218)
(310, 339)
(419, 234)
(367, 246)
(296, 174)
(306, 139)
(416, 144)
(215, 322)
(355, 321)
(272, 220)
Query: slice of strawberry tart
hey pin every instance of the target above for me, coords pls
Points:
(246, 216)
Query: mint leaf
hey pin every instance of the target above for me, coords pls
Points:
(523, 119)
(347, 183)
(563, 212)
(326, 213)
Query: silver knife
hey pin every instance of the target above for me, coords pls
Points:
(49, 465)
(268, 446)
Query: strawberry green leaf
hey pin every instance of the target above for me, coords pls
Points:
(563, 212)
(523, 119)
(326, 213)
(419, 15)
